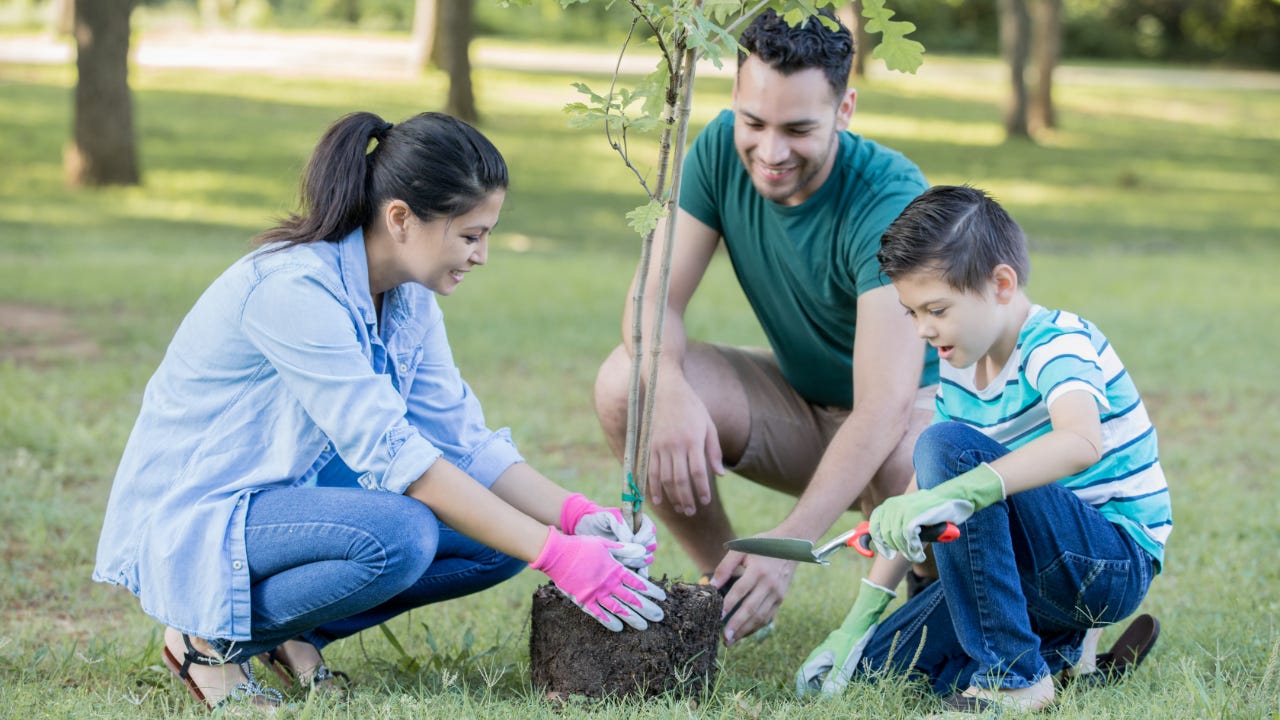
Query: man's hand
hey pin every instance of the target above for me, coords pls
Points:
(684, 448)
(580, 516)
(895, 525)
(754, 598)
(831, 664)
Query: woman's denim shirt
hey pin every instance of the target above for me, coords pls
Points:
(278, 366)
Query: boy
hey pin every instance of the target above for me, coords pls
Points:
(1041, 450)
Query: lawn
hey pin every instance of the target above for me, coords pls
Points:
(1152, 211)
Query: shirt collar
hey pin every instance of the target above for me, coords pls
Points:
(354, 267)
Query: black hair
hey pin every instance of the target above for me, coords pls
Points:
(437, 164)
(811, 44)
(957, 230)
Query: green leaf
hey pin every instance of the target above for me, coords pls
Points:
(901, 54)
(645, 218)
(721, 10)
(896, 50)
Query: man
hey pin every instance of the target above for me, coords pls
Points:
(832, 413)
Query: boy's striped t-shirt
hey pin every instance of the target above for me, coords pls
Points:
(1058, 352)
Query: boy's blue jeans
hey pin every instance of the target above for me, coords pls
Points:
(328, 562)
(1018, 589)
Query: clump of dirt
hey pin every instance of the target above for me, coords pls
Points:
(572, 654)
(39, 336)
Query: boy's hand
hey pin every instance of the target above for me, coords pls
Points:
(831, 664)
(895, 525)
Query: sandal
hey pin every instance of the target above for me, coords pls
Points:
(1128, 652)
(250, 692)
(321, 680)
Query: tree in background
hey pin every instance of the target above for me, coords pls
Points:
(102, 150)
(454, 32)
(423, 36)
(1015, 40)
(1046, 43)
(442, 34)
(1025, 34)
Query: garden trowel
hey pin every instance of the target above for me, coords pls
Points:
(858, 538)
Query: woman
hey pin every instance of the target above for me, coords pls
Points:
(308, 462)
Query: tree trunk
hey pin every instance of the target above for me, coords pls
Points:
(851, 16)
(455, 25)
(62, 19)
(1047, 48)
(439, 42)
(102, 149)
(424, 33)
(1015, 35)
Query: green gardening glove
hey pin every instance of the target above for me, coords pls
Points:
(830, 665)
(895, 525)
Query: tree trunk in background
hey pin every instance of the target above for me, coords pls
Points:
(62, 18)
(1047, 47)
(455, 29)
(1015, 37)
(424, 33)
(851, 16)
(102, 149)
(437, 43)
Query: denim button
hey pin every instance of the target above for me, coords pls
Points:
(237, 565)
(404, 367)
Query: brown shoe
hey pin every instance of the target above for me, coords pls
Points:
(1128, 652)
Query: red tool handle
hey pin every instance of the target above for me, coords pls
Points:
(861, 539)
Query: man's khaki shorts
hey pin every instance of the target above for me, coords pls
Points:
(788, 433)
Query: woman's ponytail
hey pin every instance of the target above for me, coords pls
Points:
(335, 186)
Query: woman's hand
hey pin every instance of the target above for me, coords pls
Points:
(580, 516)
(583, 567)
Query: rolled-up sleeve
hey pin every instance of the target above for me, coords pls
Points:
(312, 341)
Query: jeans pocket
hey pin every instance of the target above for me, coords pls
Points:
(1086, 591)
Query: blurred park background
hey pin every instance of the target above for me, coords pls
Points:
(1151, 195)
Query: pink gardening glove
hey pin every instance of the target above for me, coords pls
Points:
(583, 568)
(580, 516)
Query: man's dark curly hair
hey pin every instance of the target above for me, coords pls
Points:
(792, 49)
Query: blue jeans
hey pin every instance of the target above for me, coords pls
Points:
(1019, 588)
(329, 561)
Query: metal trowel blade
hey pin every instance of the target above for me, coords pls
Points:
(785, 548)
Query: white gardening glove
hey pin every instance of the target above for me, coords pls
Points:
(580, 516)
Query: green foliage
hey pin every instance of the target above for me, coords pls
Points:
(610, 111)
(645, 218)
(894, 48)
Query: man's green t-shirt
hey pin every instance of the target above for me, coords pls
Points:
(803, 267)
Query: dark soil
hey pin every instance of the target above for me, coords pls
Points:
(572, 654)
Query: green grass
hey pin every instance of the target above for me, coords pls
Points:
(1152, 211)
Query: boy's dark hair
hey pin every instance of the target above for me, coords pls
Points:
(959, 231)
(437, 164)
(790, 49)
